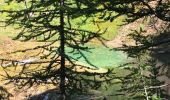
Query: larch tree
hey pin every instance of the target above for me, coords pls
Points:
(50, 21)
(50, 18)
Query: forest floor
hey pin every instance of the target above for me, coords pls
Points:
(7, 45)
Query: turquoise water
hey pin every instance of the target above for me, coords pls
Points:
(99, 56)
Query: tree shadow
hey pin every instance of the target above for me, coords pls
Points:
(54, 94)
(152, 48)
(4, 94)
(161, 54)
(51, 94)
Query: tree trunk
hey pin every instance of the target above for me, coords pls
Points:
(62, 52)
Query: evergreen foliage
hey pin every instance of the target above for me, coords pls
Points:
(143, 81)
(50, 21)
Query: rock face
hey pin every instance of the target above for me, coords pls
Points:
(151, 26)
(124, 31)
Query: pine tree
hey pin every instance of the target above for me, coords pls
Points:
(142, 82)
(38, 16)
(50, 21)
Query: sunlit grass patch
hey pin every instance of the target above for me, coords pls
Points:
(95, 25)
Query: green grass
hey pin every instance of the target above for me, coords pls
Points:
(111, 27)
